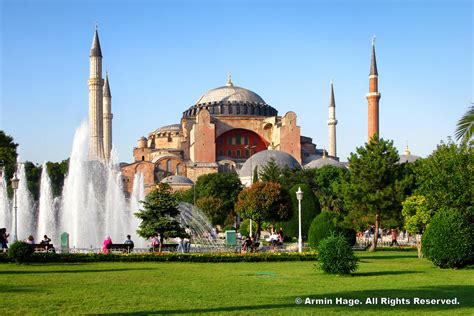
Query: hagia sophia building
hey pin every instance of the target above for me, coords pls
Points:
(228, 129)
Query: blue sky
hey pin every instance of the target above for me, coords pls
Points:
(163, 55)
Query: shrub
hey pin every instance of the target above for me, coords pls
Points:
(309, 209)
(20, 252)
(449, 239)
(336, 255)
(321, 227)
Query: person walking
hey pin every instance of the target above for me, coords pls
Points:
(394, 235)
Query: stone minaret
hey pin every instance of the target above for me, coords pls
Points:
(107, 118)
(96, 84)
(332, 122)
(373, 96)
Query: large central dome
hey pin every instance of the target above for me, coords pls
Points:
(230, 93)
(231, 100)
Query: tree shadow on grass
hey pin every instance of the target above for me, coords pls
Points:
(369, 257)
(14, 289)
(462, 293)
(69, 271)
(378, 273)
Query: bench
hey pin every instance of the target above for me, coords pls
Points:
(119, 247)
(165, 247)
(43, 248)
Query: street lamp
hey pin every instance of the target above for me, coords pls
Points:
(299, 196)
(15, 181)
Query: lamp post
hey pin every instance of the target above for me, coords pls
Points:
(299, 196)
(251, 174)
(15, 181)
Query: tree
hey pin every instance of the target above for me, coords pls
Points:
(264, 201)
(271, 172)
(33, 178)
(309, 210)
(446, 178)
(8, 156)
(291, 177)
(160, 215)
(57, 172)
(223, 188)
(375, 185)
(326, 180)
(255, 174)
(465, 126)
(417, 215)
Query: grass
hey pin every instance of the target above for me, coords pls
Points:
(231, 288)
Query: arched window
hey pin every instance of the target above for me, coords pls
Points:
(178, 168)
(168, 165)
(239, 139)
(143, 158)
(229, 153)
(237, 153)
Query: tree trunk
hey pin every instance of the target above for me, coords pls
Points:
(161, 243)
(419, 246)
(376, 233)
(257, 235)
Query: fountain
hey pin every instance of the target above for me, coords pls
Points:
(5, 205)
(92, 206)
(47, 212)
(203, 235)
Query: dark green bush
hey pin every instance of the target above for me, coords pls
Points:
(449, 239)
(168, 257)
(321, 227)
(309, 209)
(326, 224)
(336, 255)
(20, 252)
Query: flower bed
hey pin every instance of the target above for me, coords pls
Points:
(167, 257)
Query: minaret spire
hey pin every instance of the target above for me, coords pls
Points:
(96, 83)
(332, 122)
(373, 96)
(108, 116)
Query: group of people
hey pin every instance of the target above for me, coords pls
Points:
(369, 233)
(184, 243)
(31, 240)
(108, 241)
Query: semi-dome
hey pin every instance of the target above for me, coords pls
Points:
(324, 161)
(261, 158)
(177, 180)
(231, 100)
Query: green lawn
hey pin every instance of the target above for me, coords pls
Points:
(233, 288)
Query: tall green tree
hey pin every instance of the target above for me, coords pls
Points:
(160, 215)
(446, 177)
(326, 180)
(291, 177)
(8, 156)
(264, 201)
(33, 177)
(374, 189)
(271, 172)
(222, 189)
(465, 126)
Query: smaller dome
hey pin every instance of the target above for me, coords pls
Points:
(261, 158)
(177, 180)
(142, 138)
(168, 128)
(325, 161)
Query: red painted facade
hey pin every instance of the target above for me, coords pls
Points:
(233, 144)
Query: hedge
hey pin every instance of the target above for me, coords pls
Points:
(166, 257)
